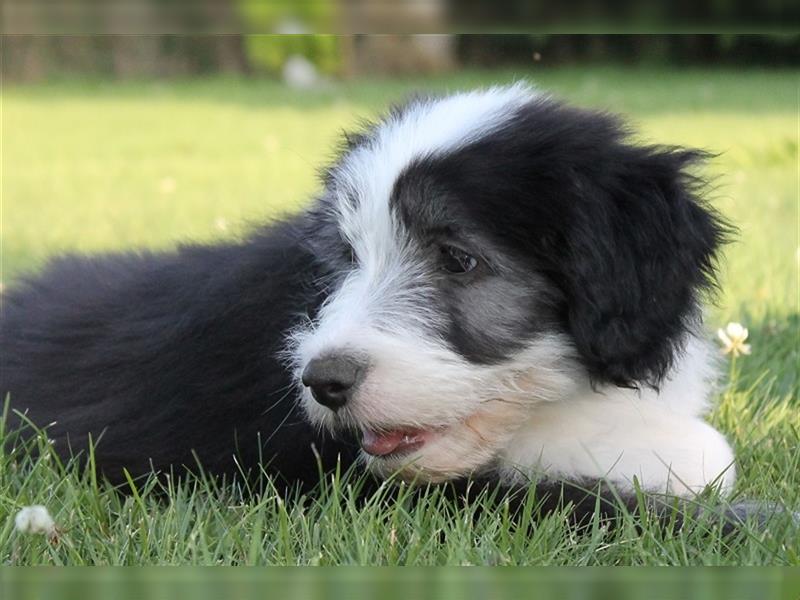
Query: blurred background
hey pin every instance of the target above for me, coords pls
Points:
(298, 56)
(165, 38)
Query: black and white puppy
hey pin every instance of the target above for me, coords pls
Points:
(491, 284)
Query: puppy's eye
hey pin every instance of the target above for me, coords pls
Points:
(455, 260)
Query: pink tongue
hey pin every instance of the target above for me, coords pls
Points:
(381, 444)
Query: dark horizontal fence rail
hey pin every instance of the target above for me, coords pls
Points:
(37, 57)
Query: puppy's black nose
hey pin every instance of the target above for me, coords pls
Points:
(332, 379)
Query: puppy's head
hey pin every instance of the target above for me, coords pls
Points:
(485, 252)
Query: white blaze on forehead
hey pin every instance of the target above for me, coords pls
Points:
(365, 180)
(388, 288)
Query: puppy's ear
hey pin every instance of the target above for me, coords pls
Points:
(641, 247)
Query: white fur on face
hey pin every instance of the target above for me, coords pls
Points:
(474, 410)
(381, 310)
(480, 416)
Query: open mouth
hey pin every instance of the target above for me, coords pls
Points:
(394, 442)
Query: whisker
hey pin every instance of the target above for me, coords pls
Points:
(281, 399)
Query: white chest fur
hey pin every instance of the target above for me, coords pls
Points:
(659, 438)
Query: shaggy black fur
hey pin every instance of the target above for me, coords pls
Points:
(165, 355)
(618, 228)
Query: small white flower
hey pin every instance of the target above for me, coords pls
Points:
(733, 338)
(35, 519)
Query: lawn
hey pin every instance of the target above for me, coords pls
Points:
(96, 165)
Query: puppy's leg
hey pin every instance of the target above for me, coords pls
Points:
(621, 440)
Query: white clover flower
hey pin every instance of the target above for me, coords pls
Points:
(732, 338)
(35, 519)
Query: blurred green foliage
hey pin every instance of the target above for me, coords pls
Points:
(269, 52)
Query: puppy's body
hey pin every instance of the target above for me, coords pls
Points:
(490, 285)
(168, 358)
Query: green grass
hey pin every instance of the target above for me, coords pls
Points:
(95, 165)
